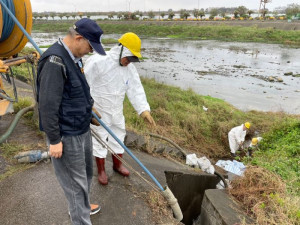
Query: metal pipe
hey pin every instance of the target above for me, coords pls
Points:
(128, 151)
(21, 27)
(17, 62)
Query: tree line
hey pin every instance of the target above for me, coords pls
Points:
(241, 11)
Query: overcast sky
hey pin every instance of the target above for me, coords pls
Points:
(145, 5)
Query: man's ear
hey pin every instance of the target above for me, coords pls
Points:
(78, 37)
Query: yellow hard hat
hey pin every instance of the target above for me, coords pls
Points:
(247, 125)
(254, 141)
(132, 42)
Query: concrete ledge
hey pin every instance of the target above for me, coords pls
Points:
(219, 209)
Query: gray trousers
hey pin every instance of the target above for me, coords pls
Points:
(74, 172)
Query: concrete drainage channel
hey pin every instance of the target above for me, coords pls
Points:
(201, 203)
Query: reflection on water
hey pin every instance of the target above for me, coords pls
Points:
(239, 73)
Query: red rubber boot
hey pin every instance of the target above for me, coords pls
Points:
(102, 177)
(118, 166)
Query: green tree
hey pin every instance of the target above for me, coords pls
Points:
(184, 14)
(162, 14)
(201, 13)
(60, 15)
(52, 15)
(171, 14)
(242, 10)
(250, 12)
(133, 16)
(213, 12)
(110, 16)
(126, 16)
(264, 12)
(196, 13)
(35, 15)
(292, 9)
(235, 13)
(120, 15)
(140, 14)
(151, 14)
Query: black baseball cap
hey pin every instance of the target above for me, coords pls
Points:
(90, 30)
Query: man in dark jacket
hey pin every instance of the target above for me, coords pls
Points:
(65, 106)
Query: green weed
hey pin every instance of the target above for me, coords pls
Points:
(218, 32)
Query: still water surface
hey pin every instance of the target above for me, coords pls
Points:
(238, 73)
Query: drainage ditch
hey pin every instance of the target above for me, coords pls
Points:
(201, 203)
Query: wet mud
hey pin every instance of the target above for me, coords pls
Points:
(250, 76)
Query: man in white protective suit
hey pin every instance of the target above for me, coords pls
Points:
(110, 78)
(236, 137)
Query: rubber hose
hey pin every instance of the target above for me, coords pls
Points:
(222, 178)
(8, 23)
(14, 123)
(184, 153)
(170, 141)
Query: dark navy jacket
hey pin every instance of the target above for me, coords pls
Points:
(74, 113)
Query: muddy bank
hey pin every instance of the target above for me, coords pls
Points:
(250, 76)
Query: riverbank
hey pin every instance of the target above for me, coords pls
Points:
(181, 117)
(203, 30)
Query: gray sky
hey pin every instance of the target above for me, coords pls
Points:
(146, 5)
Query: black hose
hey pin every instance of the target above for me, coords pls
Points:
(170, 141)
(14, 123)
(184, 153)
(222, 178)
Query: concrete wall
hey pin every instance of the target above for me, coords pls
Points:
(219, 209)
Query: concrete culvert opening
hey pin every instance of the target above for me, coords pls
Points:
(189, 190)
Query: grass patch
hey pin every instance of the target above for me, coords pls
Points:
(22, 103)
(44, 46)
(180, 116)
(9, 150)
(279, 152)
(221, 32)
(107, 41)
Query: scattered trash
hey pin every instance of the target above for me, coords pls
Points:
(32, 156)
(202, 163)
(234, 166)
(204, 108)
(288, 74)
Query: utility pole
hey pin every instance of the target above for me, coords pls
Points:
(262, 7)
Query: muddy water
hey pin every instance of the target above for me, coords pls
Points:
(250, 76)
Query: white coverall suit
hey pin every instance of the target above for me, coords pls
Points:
(109, 82)
(235, 136)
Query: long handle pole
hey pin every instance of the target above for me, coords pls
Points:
(21, 27)
(128, 151)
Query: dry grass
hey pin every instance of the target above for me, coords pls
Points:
(263, 196)
(160, 208)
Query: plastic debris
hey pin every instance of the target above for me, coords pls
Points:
(204, 108)
(234, 166)
(32, 156)
(202, 163)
